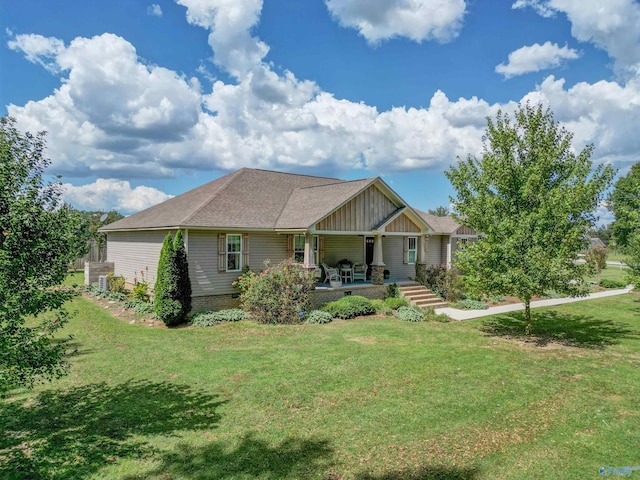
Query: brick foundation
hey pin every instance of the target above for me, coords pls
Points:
(317, 298)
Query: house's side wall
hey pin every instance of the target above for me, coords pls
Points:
(338, 247)
(393, 256)
(132, 252)
(203, 260)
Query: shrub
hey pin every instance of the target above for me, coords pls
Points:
(116, 284)
(165, 275)
(139, 306)
(143, 307)
(393, 291)
(350, 307)
(429, 314)
(318, 316)
(141, 291)
(395, 302)
(381, 307)
(183, 282)
(173, 283)
(444, 282)
(169, 311)
(493, 298)
(209, 319)
(469, 304)
(279, 294)
(117, 296)
(409, 314)
(607, 283)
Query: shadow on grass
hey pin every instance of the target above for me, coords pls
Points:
(73, 433)
(252, 458)
(435, 472)
(565, 329)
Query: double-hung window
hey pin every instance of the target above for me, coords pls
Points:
(298, 248)
(412, 249)
(234, 252)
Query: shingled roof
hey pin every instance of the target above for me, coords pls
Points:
(446, 225)
(248, 198)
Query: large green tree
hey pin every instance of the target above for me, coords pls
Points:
(532, 198)
(624, 202)
(39, 237)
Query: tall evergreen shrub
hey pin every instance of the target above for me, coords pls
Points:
(183, 287)
(164, 305)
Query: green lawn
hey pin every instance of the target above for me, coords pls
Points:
(363, 399)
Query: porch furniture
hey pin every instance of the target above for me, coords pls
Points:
(330, 273)
(360, 271)
(346, 274)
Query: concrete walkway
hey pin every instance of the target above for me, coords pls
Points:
(457, 314)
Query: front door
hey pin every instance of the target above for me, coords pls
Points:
(368, 254)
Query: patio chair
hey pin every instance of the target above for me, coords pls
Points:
(330, 273)
(360, 271)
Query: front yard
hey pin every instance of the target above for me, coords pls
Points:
(373, 398)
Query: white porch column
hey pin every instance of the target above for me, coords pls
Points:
(449, 249)
(377, 251)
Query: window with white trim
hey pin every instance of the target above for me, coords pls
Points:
(298, 247)
(234, 252)
(412, 249)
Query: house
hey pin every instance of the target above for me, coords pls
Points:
(252, 215)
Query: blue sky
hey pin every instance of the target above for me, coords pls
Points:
(144, 100)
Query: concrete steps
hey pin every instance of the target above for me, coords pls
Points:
(420, 296)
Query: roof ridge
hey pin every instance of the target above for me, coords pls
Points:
(227, 182)
(291, 173)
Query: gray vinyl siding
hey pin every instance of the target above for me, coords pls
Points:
(337, 247)
(434, 252)
(132, 252)
(393, 257)
(444, 242)
(203, 260)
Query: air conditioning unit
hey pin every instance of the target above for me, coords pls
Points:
(103, 283)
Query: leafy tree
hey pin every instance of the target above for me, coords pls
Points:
(441, 211)
(624, 202)
(97, 219)
(39, 237)
(183, 286)
(532, 198)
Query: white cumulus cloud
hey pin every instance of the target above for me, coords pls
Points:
(154, 10)
(418, 20)
(38, 49)
(536, 57)
(611, 26)
(117, 117)
(111, 194)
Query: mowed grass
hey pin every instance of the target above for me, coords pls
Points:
(369, 398)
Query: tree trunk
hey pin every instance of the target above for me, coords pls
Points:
(527, 316)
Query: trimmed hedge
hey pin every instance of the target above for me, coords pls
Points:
(350, 307)
(381, 307)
